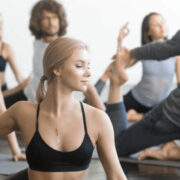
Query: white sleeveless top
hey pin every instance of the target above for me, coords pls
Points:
(156, 82)
(39, 49)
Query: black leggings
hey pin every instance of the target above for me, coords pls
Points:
(10, 100)
(131, 103)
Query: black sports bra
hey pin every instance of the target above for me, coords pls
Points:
(42, 157)
(3, 61)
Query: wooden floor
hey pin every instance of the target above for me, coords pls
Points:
(132, 171)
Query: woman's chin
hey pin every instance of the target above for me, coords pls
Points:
(82, 89)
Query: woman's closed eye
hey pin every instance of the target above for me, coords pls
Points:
(79, 65)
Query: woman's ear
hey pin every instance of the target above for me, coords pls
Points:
(57, 72)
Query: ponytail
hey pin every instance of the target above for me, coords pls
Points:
(40, 93)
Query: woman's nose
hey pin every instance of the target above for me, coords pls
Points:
(87, 73)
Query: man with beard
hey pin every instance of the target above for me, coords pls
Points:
(47, 23)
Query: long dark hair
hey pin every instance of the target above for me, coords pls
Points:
(145, 37)
(36, 17)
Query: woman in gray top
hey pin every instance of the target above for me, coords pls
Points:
(160, 51)
(157, 78)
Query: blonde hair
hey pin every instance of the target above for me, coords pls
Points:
(55, 56)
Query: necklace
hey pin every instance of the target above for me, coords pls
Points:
(57, 136)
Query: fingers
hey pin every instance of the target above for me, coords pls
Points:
(19, 157)
(124, 31)
(125, 28)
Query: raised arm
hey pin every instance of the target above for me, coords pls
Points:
(107, 152)
(158, 50)
(124, 31)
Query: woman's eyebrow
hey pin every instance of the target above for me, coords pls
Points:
(82, 61)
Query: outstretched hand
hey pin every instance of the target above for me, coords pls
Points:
(122, 52)
(124, 31)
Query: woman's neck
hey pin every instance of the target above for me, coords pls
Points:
(58, 98)
(158, 39)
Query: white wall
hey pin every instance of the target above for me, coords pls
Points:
(96, 22)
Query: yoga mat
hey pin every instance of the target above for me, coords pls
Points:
(8, 167)
(151, 162)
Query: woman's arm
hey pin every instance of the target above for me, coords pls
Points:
(93, 98)
(7, 122)
(18, 88)
(13, 65)
(7, 126)
(124, 31)
(177, 61)
(107, 152)
(2, 105)
(158, 50)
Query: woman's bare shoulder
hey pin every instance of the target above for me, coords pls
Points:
(96, 114)
(6, 47)
(22, 107)
(23, 112)
(7, 51)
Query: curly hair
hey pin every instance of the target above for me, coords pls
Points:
(36, 17)
(145, 38)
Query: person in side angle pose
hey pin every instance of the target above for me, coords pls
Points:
(157, 78)
(58, 126)
(7, 56)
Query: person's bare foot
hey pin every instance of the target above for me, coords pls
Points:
(118, 73)
(118, 78)
(107, 73)
(19, 157)
(144, 154)
(134, 116)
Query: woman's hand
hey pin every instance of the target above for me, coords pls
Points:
(122, 34)
(124, 31)
(19, 157)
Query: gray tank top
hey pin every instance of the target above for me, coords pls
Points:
(156, 82)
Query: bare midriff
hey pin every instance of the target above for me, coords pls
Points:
(76, 175)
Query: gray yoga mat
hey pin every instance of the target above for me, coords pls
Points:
(8, 167)
(151, 162)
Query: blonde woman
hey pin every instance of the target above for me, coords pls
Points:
(60, 132)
